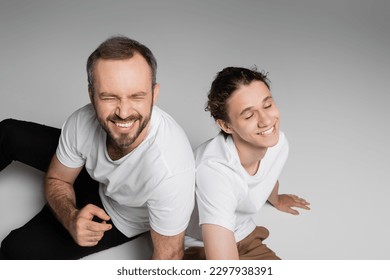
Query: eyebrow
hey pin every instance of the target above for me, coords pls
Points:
(251, 107)
(140, 93)
(135, 94)
(106, 94)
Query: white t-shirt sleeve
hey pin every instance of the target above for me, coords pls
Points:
(67, 152)
(215, 194)
(172, 203)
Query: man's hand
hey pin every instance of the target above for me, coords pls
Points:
(285, 202)
(84, 230)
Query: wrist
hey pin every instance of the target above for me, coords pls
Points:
(71, 217)
(274, 201)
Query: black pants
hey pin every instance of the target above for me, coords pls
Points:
(44, 237)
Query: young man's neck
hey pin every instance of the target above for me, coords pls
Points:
(250, 156)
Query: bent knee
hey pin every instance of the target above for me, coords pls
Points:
(7, 127)
(7, 123)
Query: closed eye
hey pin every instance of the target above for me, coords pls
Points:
(267, 102)
(137, 97)
(248, 117)
(108, 98)
(105, 96)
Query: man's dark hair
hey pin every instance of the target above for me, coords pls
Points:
(225, 83)
(120, 47)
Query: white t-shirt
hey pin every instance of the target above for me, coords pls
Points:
(226, 194)
(153, 186)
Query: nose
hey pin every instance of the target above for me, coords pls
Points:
(264, 119)
(123, 109)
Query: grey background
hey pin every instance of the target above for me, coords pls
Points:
(328, 62)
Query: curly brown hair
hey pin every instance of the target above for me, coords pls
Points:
(225, 84)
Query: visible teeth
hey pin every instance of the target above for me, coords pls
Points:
(267, 132)
(124, 125)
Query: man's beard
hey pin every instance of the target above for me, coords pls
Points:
(124, 141)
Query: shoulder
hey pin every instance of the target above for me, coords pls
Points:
(217, 156)
(169, 141)
(83, 117)
(168, 131)
(81, 127)
(214, 150)
(216, 165)
(85, 114)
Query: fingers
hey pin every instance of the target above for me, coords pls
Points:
(292, 211)
(98, 227)
(299, 202)
(94, 210)
(90, 211)
(91, 239)
(88, 232)
(287, 202)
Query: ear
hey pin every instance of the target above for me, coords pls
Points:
(90, 93)
(224, 126)
(156, 91)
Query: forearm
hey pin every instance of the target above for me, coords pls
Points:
(274, 196)
(219, 243)
(61, 199)
(168, 255)
(167, 247)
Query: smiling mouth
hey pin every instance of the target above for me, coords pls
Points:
(124, 124)
(267, 132)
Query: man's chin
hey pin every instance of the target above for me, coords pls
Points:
(123, 144)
